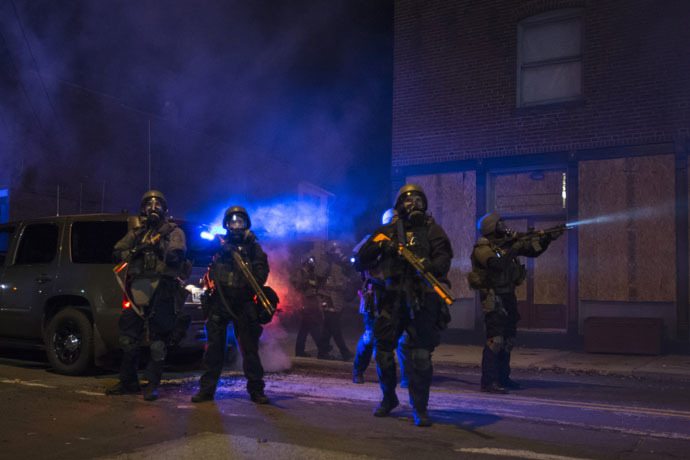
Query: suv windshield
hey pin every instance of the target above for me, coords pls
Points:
(92, 242)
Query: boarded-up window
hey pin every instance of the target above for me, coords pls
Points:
(452, 203)
(549, 58)
(627, 246)
(533, 193)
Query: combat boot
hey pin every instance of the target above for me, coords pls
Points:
(386, 406)
(511, 384)
(259, 397)
(150, 392)
(421, 418)
(122, 388)
(202, 396)
(494, 388)
(357, 378)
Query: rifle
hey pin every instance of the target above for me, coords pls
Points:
(416, 263)
(258, 291)
(532, 234)
(144, 244)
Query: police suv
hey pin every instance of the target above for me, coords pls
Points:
(58, 289)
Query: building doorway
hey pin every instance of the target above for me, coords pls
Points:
(537, 199)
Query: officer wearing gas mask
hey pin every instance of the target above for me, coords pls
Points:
(407, 304)
(155, 254)
(229, 297)
(496, 271)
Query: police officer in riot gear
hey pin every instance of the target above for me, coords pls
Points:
(373, 286)
(333, 271)
(311, 314)
(155, 253)
(231, 298)
(496, 271)
(408, 304)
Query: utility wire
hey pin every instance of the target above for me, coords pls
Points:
(33, 59)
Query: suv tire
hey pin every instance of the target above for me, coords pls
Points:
(69, 342)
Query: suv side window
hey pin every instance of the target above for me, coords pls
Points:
(92, 242)
(38, 244)
(5, 239)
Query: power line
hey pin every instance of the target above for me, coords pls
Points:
(21, 83)
(33, 59)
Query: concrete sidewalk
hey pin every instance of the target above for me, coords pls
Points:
(675, 367)
(661, 367)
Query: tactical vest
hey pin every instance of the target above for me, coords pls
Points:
(416, 239)
(152, 263)
(224, 271)
(501, 281)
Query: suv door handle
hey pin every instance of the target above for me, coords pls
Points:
(43, 279)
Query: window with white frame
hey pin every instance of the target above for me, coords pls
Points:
(549, 57)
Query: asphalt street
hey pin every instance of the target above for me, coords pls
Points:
(317, 412)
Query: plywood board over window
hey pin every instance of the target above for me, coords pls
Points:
(452, 203)
(626, 238)
(529, 193)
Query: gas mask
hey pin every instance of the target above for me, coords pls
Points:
(413, 204)
(502, 229)
(236, 226)
(153, 210)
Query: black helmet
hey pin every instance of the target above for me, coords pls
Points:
(153, 207)
(236, 220)
(488, 224)
(153, 196)
(408, 190)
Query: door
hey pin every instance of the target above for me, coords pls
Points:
(537, 199)
(28, 281)
(543, 297)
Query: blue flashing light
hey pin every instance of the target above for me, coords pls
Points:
(352, 260)
(207, 236)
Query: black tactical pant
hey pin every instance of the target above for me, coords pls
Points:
(332, 328)
(247, 332)
(161, 319)
(365, 345)
(311, 323)
(503, 324)
(365, 348)
(424, 336)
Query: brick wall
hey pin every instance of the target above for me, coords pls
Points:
(455, 79)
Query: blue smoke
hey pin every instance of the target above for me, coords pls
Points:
(278, 219)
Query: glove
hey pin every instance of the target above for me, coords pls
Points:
(426, 265)
(229, 248)
(519, 245)
(387, 246)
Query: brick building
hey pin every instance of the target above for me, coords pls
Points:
(548, 111)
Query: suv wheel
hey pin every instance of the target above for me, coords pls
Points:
(69, 342)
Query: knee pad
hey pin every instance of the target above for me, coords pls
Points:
(128, 344)
(421, 358)
(157, 350)
(495, 344)
(509, 344)
(368, 336)
(384, 358)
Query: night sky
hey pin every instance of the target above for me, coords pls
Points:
(228, 101)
